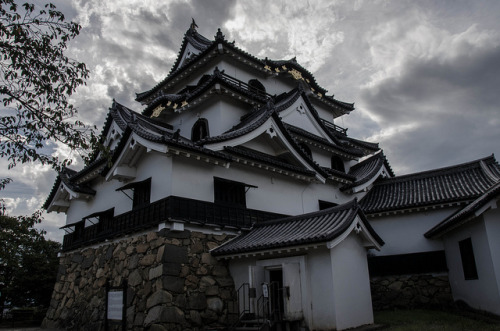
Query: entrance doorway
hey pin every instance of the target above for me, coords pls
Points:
(276, 293)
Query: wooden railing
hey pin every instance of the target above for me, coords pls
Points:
(159, 211)
(332, 126)
(245, 86)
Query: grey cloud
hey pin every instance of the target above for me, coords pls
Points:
(450, 102)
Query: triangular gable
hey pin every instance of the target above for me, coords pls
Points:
(299, 114)
(486, 201)
(265, 121)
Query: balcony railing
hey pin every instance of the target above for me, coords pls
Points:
(159, 211)
(332, 126)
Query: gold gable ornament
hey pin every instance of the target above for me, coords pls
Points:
(268, 68)
(296, 74)
(157, 111)
(184, 103)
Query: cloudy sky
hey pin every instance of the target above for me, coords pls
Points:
(424, 75)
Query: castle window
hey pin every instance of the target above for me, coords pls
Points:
(141, 192)
(228, 192)
(337, 163)
(200, 130)
(468, 260)
(306, 149)
(256, 86)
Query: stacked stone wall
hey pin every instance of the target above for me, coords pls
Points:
(411, 291)
(174, 283)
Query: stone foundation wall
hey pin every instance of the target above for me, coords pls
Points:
(173, 283)
(411, 291)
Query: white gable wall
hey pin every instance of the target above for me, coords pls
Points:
(404, 233)
(481, 293)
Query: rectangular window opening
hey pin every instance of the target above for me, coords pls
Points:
(228, 192)
(468, 260)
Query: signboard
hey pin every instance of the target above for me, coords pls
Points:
(115, 305)
(265, 290)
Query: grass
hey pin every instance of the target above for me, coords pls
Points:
(434, 320)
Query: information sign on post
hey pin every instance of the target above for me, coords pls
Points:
(115, 305)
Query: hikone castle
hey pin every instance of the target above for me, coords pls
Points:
(232, 199)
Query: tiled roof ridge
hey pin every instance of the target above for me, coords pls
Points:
(338, 173)
(266, 158)
(351, 205)
(465, 213)
(312, 80)
(218, 77)
(261, 116)
(354, 141)
(439, 171)
(375, 162)
(322, 140)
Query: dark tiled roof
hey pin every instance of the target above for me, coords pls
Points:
(338, 173)
(218, 77)
(373, 147)
(156, 131)
(267, 159)
(65, 177)
(464, 214)
(453, 184)
(206, 47)
(292, 64)
(317, 227)
(341, 148)
(366, 170)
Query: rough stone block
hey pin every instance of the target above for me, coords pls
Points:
(197, 301)
(175, 254)
(87, 262)
(172, 269)
(157, 298)
(175, 234)
(173, 284)
(215, 304)
(77, 258)
(135, 278)
(156, 272)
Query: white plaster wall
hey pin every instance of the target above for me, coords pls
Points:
(105, 192)
(274, 193)
(321, 157)
(482, 293)
(492, 223)
(155, 165)
(221, 114)
(323, 112)
(351, 284)
(404, 233)
(321, 290)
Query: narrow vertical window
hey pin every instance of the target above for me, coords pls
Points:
(142, 194)
(468, 260)
(200, 130)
